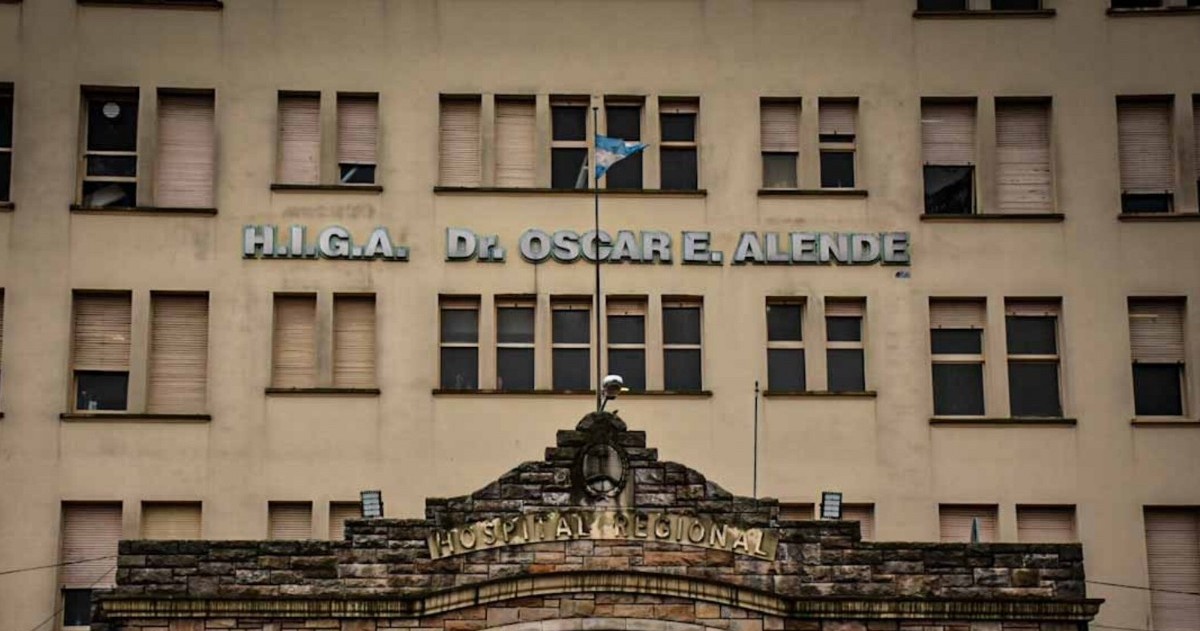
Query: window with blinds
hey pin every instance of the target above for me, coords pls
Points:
(354, 341)
(294, 348)
(339, 512)
(956, 347)
(626, 340)
(1195, 139)
(845, 363)
(289, 521)
(1173, 560)
(1023, 171)
(785, 345)
(515, 142)
(1146, 155)
(948, 153)
(459, 142)
(6, 140)
(1046, 524)
(88, 556)
(110, 169)
(299, 138)
(1157, 346)
(779, 130)
(185, 165)
(797, 511)
(357, 137)
(170, 520)
(100, 350)
(1031, 331)
(1, 334)
(178, 367)
(864, 514)
(838, 133)
(957, 521)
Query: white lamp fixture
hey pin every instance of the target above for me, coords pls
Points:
(372, 504)
(831, 505)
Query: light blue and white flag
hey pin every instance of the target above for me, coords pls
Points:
(610, 151)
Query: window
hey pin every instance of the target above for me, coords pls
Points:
(627, 341)
(957, 521)
(1173, 559)
(459, 142)
(941, 5)
(178, 368)
(681, 345)
(514, 343)
(90, 532)
(1031, 329)
(299, 138)
(460, 343)
(1046, 524)
(186, 158)
(779, 131)
(948, 149)
(170, 520)
(294, 361)
(1157, 345)
(515, 142)
(354, 341)
(785, 346)
(339, 512)
(1196, 133)
(677, 123)
(956, 345)
(289, 521)
(1023, 178)
(1146, 155)
(569, 142)
(1137, 4)
(571, 335)
(1, 332)
(6, 140)
(837, 125)
(844, 344)
(110, 160)
(100, 350)
(796, 511)
(357, 136)
(864, 514)
(624, 120)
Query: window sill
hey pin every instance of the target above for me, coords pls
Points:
(134, 416)
(984, 14)
(1152, 11)
(324, 391)
(1165, 422)
(7, 207)
(976, 421)
(441, 392)
(580, 192)
(327, 188)
(812, 192)
(141, 210)
(1155, 217)
(1000, 217)
(819, 394)
(156, 4)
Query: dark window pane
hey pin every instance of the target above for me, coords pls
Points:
(114, 131)
(626, 174)
(956, 341)
(1135, 203)
(837, 169)
(958, 389)
(1031, 335)
(681, 325)
(783, 323)
(572, 327)
(843, 329)
(785, 369)
(1033, 389)
(1136, 4)
(1156, 390)
(949, 190)
(118, 166)
(5, 175)
(460, 368)
(514, 324)
(460, 325)
(678, 127)
(836, 137)
(101, 390)
(105, 194)
(572, 370)
(630, 365)
(624, 122)
(77, 607)
(681, 369)
(514, 368)
(567, 168)
(678, 169)
(6, 119)
(569, 123)
(846, 370)
(357, 173)
(1016, 5)
(942, 5)
(779, 170)
(626, 329)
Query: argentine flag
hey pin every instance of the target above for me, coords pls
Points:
(610, 151)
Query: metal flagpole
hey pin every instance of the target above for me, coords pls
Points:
(755, 491)
(596, 257)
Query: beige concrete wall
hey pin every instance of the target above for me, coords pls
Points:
(729, 53)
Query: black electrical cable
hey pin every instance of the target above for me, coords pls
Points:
(42, 567)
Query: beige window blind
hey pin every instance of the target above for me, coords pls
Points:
(948, 133)
(1032, 308)
(1156, 331)
(1023, 158)
(1, 324)
(1196, 132)
(170, 520)
(955, 522)
(780, 127)
(837, 118)
(1046, 524)
(339, 512)
(294, 353)
(299, 139)
(1173, 556)
(957, 314)
(864, 514)
(515, 142)
(178, 367)
(799, 511)
(357, 129)
(90, 531)
(289, 521)
(459, 143)
(184, 175)
(354, 341)
(102, 325)
(844, 307)
(1144, 144)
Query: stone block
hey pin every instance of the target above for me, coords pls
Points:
(992, 577)
(709, 610)
(497, 616)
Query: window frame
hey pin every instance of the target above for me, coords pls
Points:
(567, 303)
(516, 303)
(626, 103)
(788, 345)
(626, 306)
(76, 369)
(837, 143)
(960, 359)
(684, 302)
(796, 104)
(1014, 309)
(587, 144)
(459, 303)
(860, 345)
(679, 105)
(1185, 406)
(120, 95)
(7, 94)
(339, 98)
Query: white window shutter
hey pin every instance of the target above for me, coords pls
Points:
(1156, 331)
(864, 514)
(289, 521)
(102, 330)
(515, 135)
(299, 139)
(948, 133)
(1023, 158)
(170, 520)
(459, 147)
(791, 511)
(354, 341)
(358, 129)
(957, 314)
(955, 522)
(780, 126)
(1046, 524)
(1173, 556)
(294, 353)
(178, 367)
(339, 512)
(844, 308)
(186, 161)
(837, 118)
(91, 530)
(1144, 143)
